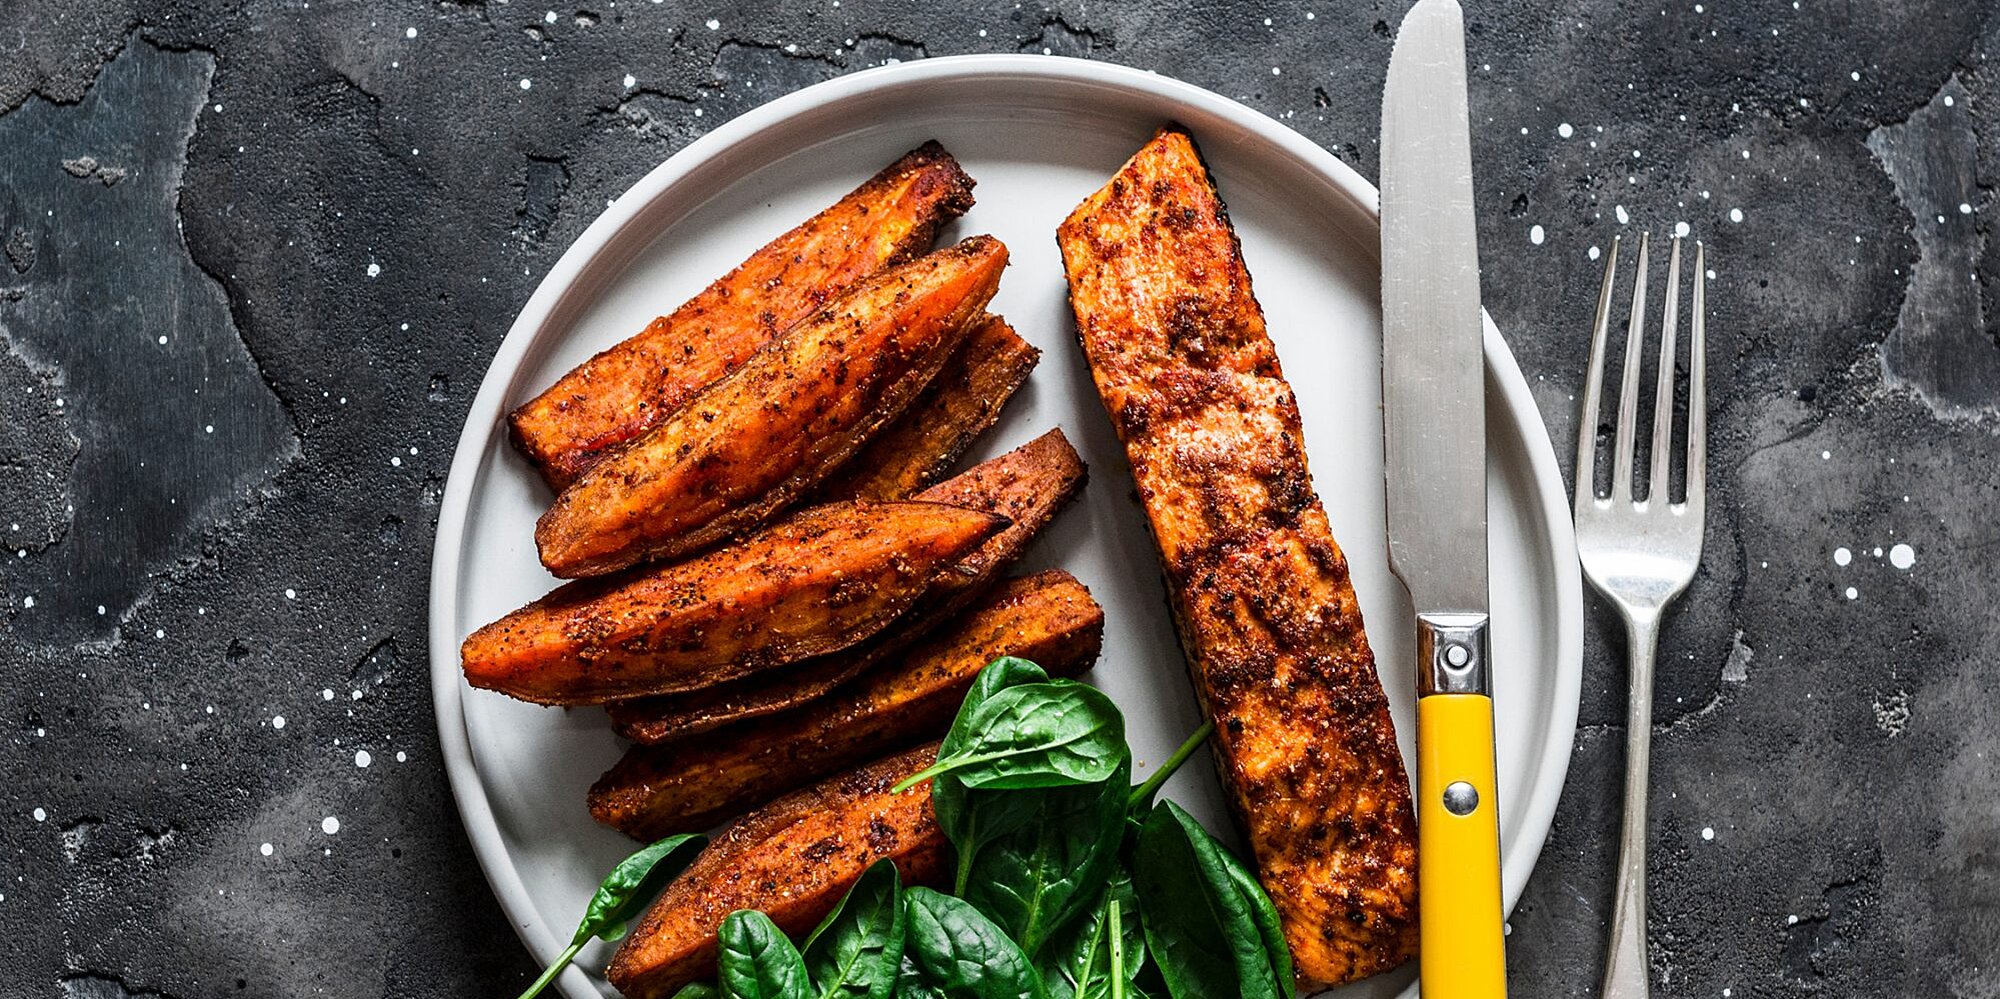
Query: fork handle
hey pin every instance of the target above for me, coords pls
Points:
(1625, 964)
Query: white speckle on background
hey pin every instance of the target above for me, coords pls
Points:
(28, 601)
(630, 80)
(266, 848)
(326, 694)
(291, 594)
(1736, 215)
(1853, 593)
(1623, 216)
(1707, 832)
(374, 270)
(1681, 229)
(1892, 713)
(402, 757)
(549, 18)
(1842, 556)
(1855, 76)
(1964, 209)
(1275, 71)
(409, 32)
(1949, 100)
(1595, 253)
(714, 24)
(362, 759)
(1565, 130)
(329, 825)
(527, 84)
(1902, 556)
(1826, 456)
(41, 815)
(277, 721)
(1536, 235)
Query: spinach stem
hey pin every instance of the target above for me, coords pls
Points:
(555, 968)
(1144, 792)
(1116, 928)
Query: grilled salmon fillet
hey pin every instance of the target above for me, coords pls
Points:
(1027, 485)
(754, 440)
(612, 398)
(794, 859)
(1048, 618)
(1260, 592)
(816, 583)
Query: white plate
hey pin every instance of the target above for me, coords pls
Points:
(1038, 134)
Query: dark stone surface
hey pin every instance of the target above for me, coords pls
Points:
(332, 223)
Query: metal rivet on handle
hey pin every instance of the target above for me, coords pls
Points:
(1460, 798)
(1457, 656)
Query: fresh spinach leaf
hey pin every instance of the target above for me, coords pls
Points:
(953, 952)
(970, 826)
(1200, 930)
(697, 990)
(856, 951)
(1037, 877)
(757, 961)
(1033, 735)
(1103, 952)
(621, 895)
(1265, 916)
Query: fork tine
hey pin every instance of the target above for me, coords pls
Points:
(1628, 392)
(1697, 472)
(1663, 396)
(1593, 385)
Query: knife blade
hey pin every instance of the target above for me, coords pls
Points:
(1434, 466)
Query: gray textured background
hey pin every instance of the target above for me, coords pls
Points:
(257, 256)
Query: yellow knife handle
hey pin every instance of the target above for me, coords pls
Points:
(1458, 849)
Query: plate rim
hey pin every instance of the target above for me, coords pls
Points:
(475, 810)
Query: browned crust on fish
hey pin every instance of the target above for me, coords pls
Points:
(614, 397)
(1048, 618)
(818, 582)
(793, 860)
(1260, 591)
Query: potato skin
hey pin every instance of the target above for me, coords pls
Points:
(961, 403)
(820, 581)
(615, 396)
(1028, 485)
(793, 860)
(1048, 617)
(1261, 594)
(756, 439)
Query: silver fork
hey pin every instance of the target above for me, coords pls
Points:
(1641, 553)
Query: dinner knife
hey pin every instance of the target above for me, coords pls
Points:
(1434, 463)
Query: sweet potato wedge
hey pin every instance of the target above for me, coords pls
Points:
(954, 409)
(793, 860)
(818, 582)
(1049, 618)
(753, 441)
(1028, 485)
(1260, 591)
(613, 397)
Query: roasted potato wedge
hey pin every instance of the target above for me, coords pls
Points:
(1028, 485)
(1260, 591)
(793, 860)
(614, 397)
(955, 408)
(1049, 618)
(818, 582)
(751, 442)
